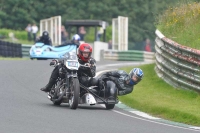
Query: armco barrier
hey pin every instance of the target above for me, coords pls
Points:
(25, 50)
(149, 56)
(178, 65)
(131, 55)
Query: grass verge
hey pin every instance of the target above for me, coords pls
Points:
(181, 24)
(153, 96)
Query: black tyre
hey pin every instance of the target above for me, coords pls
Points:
(110, 106)
(75, 92)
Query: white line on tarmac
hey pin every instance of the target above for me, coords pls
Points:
(190, 128)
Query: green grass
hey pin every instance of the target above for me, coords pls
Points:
(181, 24)
(152, 95)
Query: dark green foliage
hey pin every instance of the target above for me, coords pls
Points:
(16, 14)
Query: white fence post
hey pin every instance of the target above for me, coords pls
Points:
(120, 33)
(53, 26)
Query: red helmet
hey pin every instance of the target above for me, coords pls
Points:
(84, 48)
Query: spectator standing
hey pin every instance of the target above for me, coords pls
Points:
(34, 31)
(29, 29)
(99, 34)
(110, 44)
(147, 45)
(64, 34)
(82, 33)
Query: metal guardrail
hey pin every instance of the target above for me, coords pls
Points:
(149, 56)
(178, 65)
(131, 55)
(25, 50)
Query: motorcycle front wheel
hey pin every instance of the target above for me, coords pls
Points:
(74, 93)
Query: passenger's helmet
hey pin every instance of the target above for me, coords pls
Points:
(76, 37)
(84, 48)
(45, 34)
(138, 73)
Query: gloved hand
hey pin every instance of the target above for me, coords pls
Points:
(53, 62)
(87, 64)
(92, 62)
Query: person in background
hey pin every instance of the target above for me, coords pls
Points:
(29, 29)
(99, 34)
(147, 45)
(75, 40)
(110, 44)
(82, 33)
(45, 38)
(64, 34)
(34, 31)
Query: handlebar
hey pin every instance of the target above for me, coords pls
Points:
(56, 61)
(53, 63)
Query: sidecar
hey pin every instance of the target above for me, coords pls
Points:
(107, 96)
(91, 95)
(43, 51)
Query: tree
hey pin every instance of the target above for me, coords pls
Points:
(16, 14)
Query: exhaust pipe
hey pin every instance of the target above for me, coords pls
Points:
(49, 97)
(60, 97)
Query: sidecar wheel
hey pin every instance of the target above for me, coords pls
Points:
(110, 106)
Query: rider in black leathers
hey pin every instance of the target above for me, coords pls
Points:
(45, 38)
(85, 74)
(75, 40)
(124, 82)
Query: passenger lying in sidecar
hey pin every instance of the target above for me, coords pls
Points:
(115, 83)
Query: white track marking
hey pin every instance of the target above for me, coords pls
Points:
(144, 115)
(194, 129)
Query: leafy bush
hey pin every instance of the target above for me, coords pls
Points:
(90, 34)
(21, 35)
